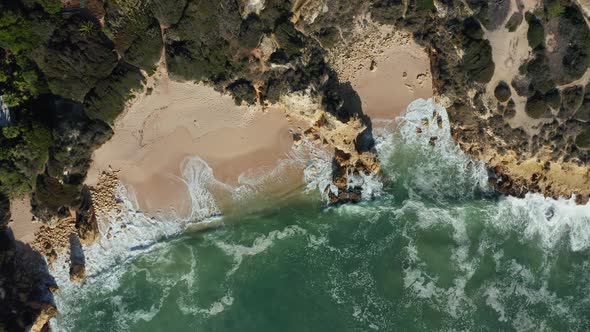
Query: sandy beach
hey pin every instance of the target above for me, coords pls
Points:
(22, 222)
(173, 121)
(387, 69)
(180, 120)
(400, 76)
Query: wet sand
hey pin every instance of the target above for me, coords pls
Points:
(180, 120)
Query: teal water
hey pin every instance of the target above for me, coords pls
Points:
(438, 251)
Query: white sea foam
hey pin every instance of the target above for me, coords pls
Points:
(125, 234)
(535, 219)
(260, 244)
(547, 219)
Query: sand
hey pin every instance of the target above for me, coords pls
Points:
(387, 69)
(180, 120)
(22, 223)
(401, 75)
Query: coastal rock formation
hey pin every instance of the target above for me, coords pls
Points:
(26, 287)
(523, 114)
(354, 157)
(513, 76)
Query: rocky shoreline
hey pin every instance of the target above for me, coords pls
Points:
(513, 76)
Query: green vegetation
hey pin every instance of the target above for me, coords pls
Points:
(24, 150)
(107, 100)
(243, 91)
(86, 28)
(387, 11)
(478, 64)
(424, 5)
(583, 140)
(553, 98)
(554, 8)
(574, 29)
(571, 99)
(537, 70)
(536, 106)
(514, 22)
(167, 12)
(73, 62)
(536, 32)
(251, 31)
(145, 51)
(502, 91)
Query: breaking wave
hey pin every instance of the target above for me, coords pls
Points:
(438, 245)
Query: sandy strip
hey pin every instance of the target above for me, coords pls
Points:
(180, 120)
(22, 223)
(400, 76)
(386, 67)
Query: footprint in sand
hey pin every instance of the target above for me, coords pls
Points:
(373, 66)
(421, 79)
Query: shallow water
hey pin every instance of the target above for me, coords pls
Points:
(437, 251)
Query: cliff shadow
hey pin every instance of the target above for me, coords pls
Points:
(26, 284)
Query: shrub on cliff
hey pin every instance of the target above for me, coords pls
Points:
(477, 63)
(387, 11)
(502, 91)
(145, 51)
(573, 27)
(251, 31)
(197, 48)
(583, 139)
(22, 31)
(107, 100)
(168, 12)
(53, 195)
(477, 60)
(553, 98)
(73, 61)
(571, 99)
(49, 6)
(24, 150)
(289, 39)
(126, 21)
(536, 107)
(514, 22)
(536, 32)
(19, 79)
(242, 91)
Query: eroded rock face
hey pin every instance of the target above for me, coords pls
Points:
(513, 76)
(26, 287)
(532, 133)
(350, 139)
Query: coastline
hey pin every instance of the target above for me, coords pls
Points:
(178, 120)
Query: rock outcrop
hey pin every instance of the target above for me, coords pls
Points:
(513, 76)
(26, 287)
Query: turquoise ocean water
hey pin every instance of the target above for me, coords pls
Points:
(438, 250)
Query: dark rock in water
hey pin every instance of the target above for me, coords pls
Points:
(77, 260)
(549, 213)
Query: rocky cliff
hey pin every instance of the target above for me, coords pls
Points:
(513, 76)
